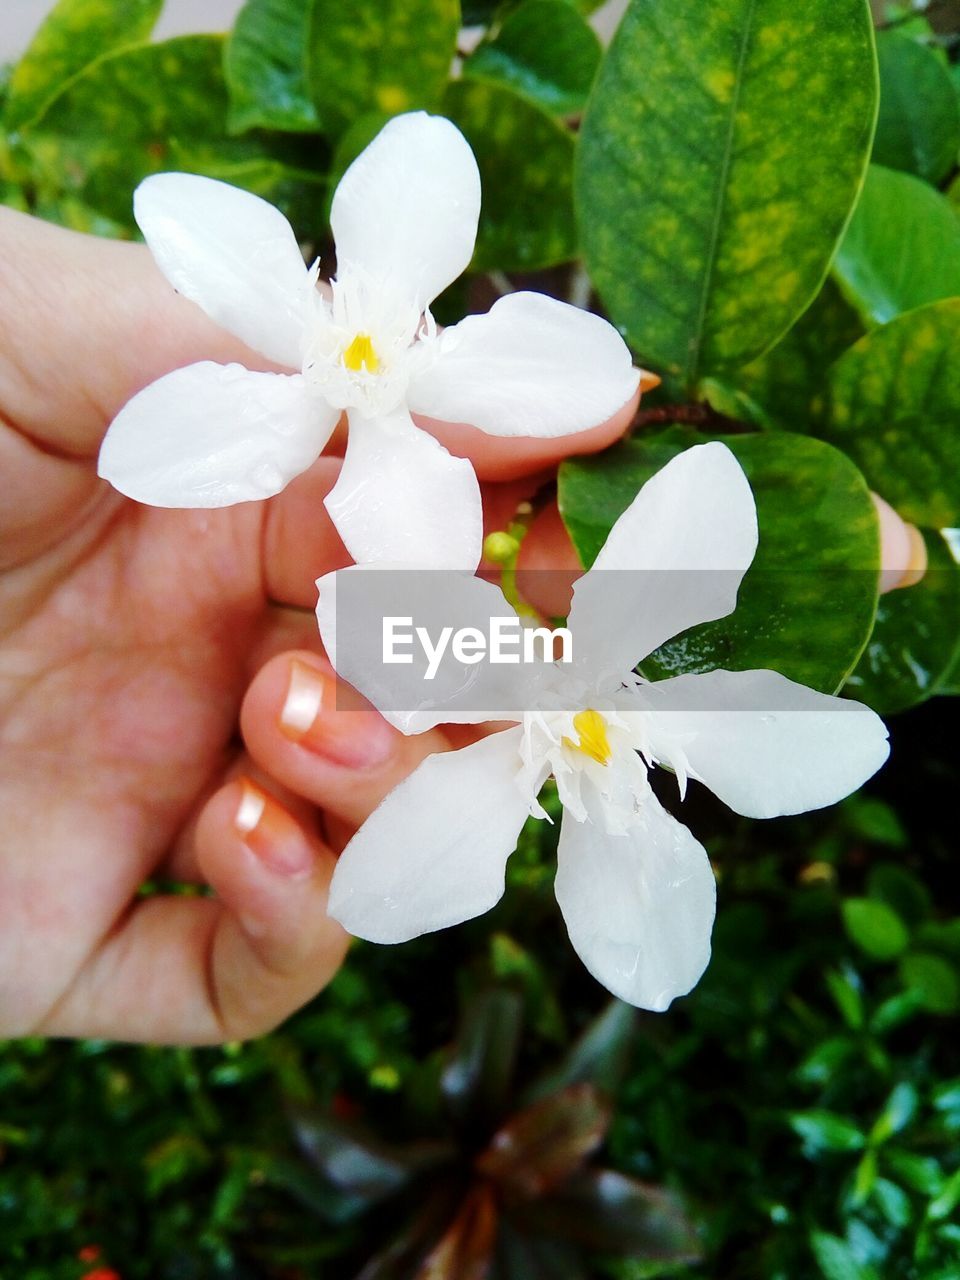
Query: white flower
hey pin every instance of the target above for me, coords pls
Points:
(404, 218)
(634, 886)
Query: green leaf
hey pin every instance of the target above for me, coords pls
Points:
(900, 1109)
(526, 168)
(143, 110)
(844, 987)
(893, 1202)
(892, 403)
(873, 819)
(721, 153)
(916, 640)
(781, 386)
(74, 34)
(836, 1259)
(934, 980)
(807, 604)
(902, 248)
(875, 928)
(920, 1173)
(947, 1201)
(545, 51)
(378, 55)
(918, 129)
(265, 65)
(900, 889)
(825, 1131)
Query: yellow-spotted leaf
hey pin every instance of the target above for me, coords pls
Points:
(721, 154)
(74, 34)
(378, 55)
(143, 110)
(526, 167)
(892, 402)
(807, 603)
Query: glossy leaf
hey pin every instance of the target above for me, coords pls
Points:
(526, 167)
(265, 65)
(778, 388)
(721, 153)
(543, 50)
(918, 129)
(875, 928)
(479, 1071)
(74, 34)
(546, 1143)
(137, 112)
(608, 1212)
(916, 639)
(902, 248)
(892, 402)
(378, 55)
(807, 604)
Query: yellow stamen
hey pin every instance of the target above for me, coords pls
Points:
(361, 355)
(592, 728)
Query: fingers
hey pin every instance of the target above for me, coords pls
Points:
(299, 730)
(183, 970)
(903, 552)
(300, 543)
(85, 323)
(506, 458)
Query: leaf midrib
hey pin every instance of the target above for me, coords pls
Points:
(726, 162)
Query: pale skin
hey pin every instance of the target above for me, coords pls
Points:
(146, 657)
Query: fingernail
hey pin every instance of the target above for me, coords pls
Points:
(271, 833)
(311, 718)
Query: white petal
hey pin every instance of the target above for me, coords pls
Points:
(639, 906)
(404, 215)
(233, 254)
(433, 853)
(210, 435)
(369, 610)
(402, 498)
(675, 558)
(532, 366)
(765, 745)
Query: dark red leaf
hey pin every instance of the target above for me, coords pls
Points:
(466, 1250)
(543, 1145)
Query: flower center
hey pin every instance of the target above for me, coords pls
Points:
(360, 355)
(592, 734)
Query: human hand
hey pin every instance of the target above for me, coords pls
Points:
(128, 721)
